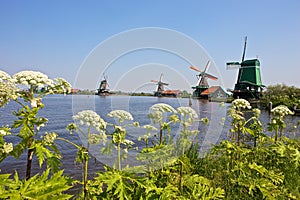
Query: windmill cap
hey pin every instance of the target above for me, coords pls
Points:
(254, 62)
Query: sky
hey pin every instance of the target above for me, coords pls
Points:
(62, 38)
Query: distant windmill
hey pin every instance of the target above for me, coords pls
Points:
(160, 86)
(202, 83)
(102, 90)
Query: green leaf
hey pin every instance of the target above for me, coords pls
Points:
(37, 187)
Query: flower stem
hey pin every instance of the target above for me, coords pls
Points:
(29, 159)
(160, 135)
(85, 173)
(119, 156)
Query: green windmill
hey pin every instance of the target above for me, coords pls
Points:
(249, 85)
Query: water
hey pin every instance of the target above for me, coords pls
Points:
(59, 110)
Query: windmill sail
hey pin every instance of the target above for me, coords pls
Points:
(202, 77)
(202, 83)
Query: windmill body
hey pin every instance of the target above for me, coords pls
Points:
(249, 85)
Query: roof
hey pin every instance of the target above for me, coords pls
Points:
(253, 62)
(171, 92)
(210, 90)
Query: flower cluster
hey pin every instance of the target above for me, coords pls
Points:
(239, 104)
(157, 111)
(90, 118)
(162, 107)
(149, 127)
(127, 142)
(281, 111)
(60, 85)
(144, 137)
(49, 138)
(188, 113)
(7, 148)
(71, 127)
(4, 131)
(4, 76)
(122, 115)
(236, 116)
(95, 138)
(32, 78)
(8, 89)
(256, 112)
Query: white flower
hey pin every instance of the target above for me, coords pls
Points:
(188, 113)
(256, 112)
(128, 142)
(237, 116)
(121, 115)
(32, 82)
(59, 85)
(95, 138)
(162, 107)
(32, 78)
(240, 104)
(4, 133)
(120, 129)
(50, 137)
(150, 128)
(4, 76)
(7, 147)
(90, 118)
(8, 89)
(282, 111)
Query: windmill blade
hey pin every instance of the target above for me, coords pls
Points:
(199, 79)
(211, 76)
(160, 78)
(195, 68)
(154, 81)
(106, 78)
(244, 51)
(207, 66)
(163, 83)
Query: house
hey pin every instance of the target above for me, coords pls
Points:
(214, 93)
(74, 91)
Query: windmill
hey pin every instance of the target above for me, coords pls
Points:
(160, 86)
(249, 85)
(202, 83)
(102, 90)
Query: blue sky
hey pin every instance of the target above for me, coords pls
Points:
(56, 37)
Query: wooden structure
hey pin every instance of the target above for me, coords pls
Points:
(202, 83)
(214, 93)
(249, 85)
